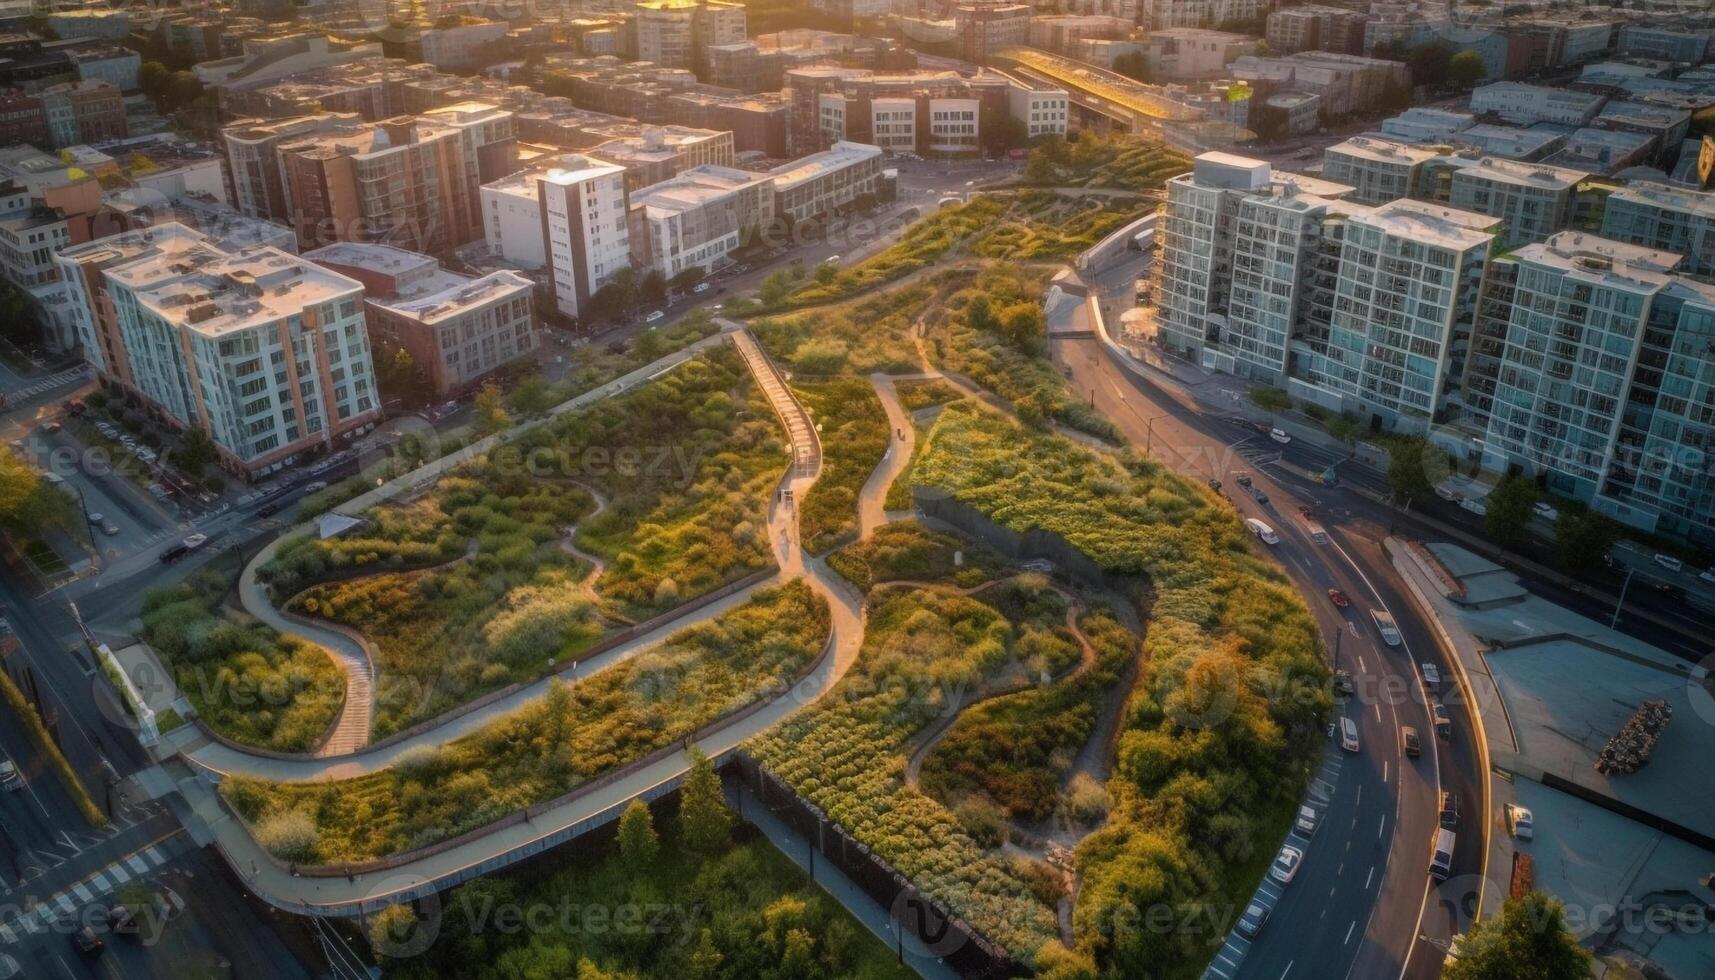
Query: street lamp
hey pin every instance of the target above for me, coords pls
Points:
(1621, 601)
(1149, 430)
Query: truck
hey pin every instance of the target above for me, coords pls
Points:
(1316, 531)
(1262, 531)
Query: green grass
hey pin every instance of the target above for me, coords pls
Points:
(1121, 162)
(575, 733)
(246, 681)
(870, 335)
(1043, 226)
(918, 395)
(909, 551)
(853, 426)
(745, 912)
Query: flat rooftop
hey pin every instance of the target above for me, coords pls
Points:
(1539, 175)
(212, 292)
(1383, 151)
(816, 165)
(568, 168)
(1670, 198)
(1431, 223)
(1602, 261)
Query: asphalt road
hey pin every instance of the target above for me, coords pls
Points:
(1362, 898)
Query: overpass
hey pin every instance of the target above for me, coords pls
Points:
(1105, 91)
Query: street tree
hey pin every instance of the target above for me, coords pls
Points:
(490, 410)
(1507, 511)
(1466, 69)
(195, 453)
(530, 397)
(1527, 941)
(638, 842)
(1581, 539)
(704, 820)
(1407, 475)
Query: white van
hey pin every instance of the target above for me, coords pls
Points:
(1441, 855)
(1386, 626)
(656, 317)
(1262, 531)
(1348, 735)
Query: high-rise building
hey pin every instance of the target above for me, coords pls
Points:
(1404, 305)
(696, 219)
(1533, 200)
(265, 352)
(407, 181)
(678, 33)
(569, 219)
(253, 161)
(1378, 170)
(1671, 219)
(982, 27)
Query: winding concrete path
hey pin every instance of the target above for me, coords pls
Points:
(349, 652)
(485, 853)
(901, 445)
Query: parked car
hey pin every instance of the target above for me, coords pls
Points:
(1279, 435)
(1215, 485)
(1443, 723)
(701, 287)
(174, 553)
(1255, 917)
(1286, 864)
(1343, 682)
(10, 781)
(110, 529)
(1261, 498)
(1520, 822)
(1307, 822)
(96, 518)
(1338, 598)
(271, 508)
(1707, 575)
(315, 486)
(1670, 563)
(1546, 511)
(1409, 741)
(1475, 506)
(655, 317)
(1243, 480)
(195, 541)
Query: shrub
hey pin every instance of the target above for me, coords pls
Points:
(289, 835)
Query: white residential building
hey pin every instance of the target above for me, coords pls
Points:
(570, 219)
(1042, 110)
(1409, 276)
(1525, 105)
(1378, 170)
(824, 182)
(262, 350)
(1671, 219)
(1421, 124)
(694, 220)
(1533, 200)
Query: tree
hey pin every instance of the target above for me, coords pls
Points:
(27, 502)
(706, 957)
(530, 397)
(704, 819)
(687, 278)
(1270, 398)
(1134, 65)
(1406, 474)
(1582, 539)
(826, 273)
(637, 839)
(653, 288)
(980, 316)
(1024, 327)
(401, 377)
(1527, 941)
(1428, 62)
(1507, 511)
(194, 455)
(491, 414)
(153, 78)
(391, 928)
(1466, 69)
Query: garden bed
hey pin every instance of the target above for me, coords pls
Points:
(248, 683)
(851, 419)
(575, 734)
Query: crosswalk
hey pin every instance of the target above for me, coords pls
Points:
(1227, 959)
(48, 383)
(139, 864)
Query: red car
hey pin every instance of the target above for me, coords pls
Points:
(1338, 598)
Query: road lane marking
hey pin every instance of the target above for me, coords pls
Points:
(1381, 827)
(1288, 969)
(1349, 929)
(1361, 668)
(1369, 877)
(1384, 770)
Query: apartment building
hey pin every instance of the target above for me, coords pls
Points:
(652, 154)
(407, 181)
(1377, 170)
(1404, 306)
(1183, 54)
(1041, 108)
(1527, 105)
(1669, 219)
(983, 27)
(1663, 44)
(1666, 126)
(459, 329)
(1421, 124)
(1314, 27)
(1532, 200)
(937, 112)
(1346, 82)
(825, 182)
(1159, 15)
(569, 219)
(262, 350)
(253, 161)
(676, 33)
(695, 220)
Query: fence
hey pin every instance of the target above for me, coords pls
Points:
(955, 941)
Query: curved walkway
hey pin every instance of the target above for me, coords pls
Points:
(482, 854)
(351, 729)
(902, 444)
(598, 564)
